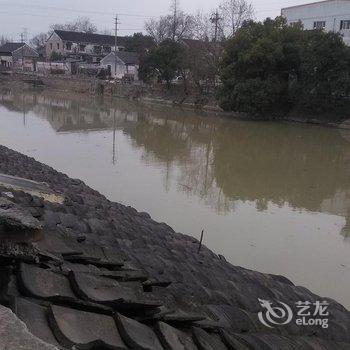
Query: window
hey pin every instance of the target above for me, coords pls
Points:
(319, 24)
(69, 46)
(82, 47)
(50, 46)
(344, 24)
(58, 46)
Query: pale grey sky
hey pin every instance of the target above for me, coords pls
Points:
(37, 15)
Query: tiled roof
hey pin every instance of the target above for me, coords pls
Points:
(10, 47)
(88, 38)
(131, 58)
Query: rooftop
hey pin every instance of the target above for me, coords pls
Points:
(310, 3)
(91, 38)
(127, 57)
(10, 47)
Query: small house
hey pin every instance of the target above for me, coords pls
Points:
(87, 46)
(122, 64)
(18, 56)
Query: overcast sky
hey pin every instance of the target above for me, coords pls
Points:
(37, 15)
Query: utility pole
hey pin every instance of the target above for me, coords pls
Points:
(175, 6)
(23, 40)
(116, 44)
(215, 19)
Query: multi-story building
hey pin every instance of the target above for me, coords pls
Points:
(330, 15)
(84, 45)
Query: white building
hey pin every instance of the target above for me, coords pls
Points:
(330, 15)
(78, 44)
(126, 64)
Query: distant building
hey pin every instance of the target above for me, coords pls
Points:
(126, 65)
(18, 56)
(330, 15)
(86, 46)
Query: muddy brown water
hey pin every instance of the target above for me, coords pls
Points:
(273, 197)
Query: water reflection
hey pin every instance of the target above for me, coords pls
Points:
(220, 161)
(270, 196)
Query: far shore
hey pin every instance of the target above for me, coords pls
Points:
(65, 84)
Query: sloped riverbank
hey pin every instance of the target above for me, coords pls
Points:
(99, 261)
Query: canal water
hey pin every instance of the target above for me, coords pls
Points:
(273, 197)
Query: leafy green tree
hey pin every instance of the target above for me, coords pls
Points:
(323, 81)
(272, 68)
(139, 43)
(165, 62)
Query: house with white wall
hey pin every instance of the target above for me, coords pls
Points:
(18, 56)
(122, 64)
(330, 15)
(82, 45)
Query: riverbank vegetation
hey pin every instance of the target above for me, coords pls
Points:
(264, 69)
(272, 68)
(225, 59)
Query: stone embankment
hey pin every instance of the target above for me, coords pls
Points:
(87, 273)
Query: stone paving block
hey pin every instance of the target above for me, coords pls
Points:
(14, 334)
(206, 341)
(249, 341)
(125, 275)
(155, 282)
(31, 187)
(137, 335)
(233, 318)
(84, 330)
(8, 284)
(98, 256)
(57, 243)
(16, 221)
(45, 284)
(233, 343)
(174, 339)
(110, 292)
(180, 316)
(36, 319)
(10, 251)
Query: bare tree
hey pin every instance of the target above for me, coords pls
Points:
(81, 24)
(4, 40)
(39, 40)
(175, 26)
(208, 27)
(157, 29)
(234, 13)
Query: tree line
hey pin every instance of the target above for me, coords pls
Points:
(190, 46)
(268, 69)
(271, 68)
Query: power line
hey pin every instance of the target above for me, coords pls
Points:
(75, 10)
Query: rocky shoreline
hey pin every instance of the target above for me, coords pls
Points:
(173, 297)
